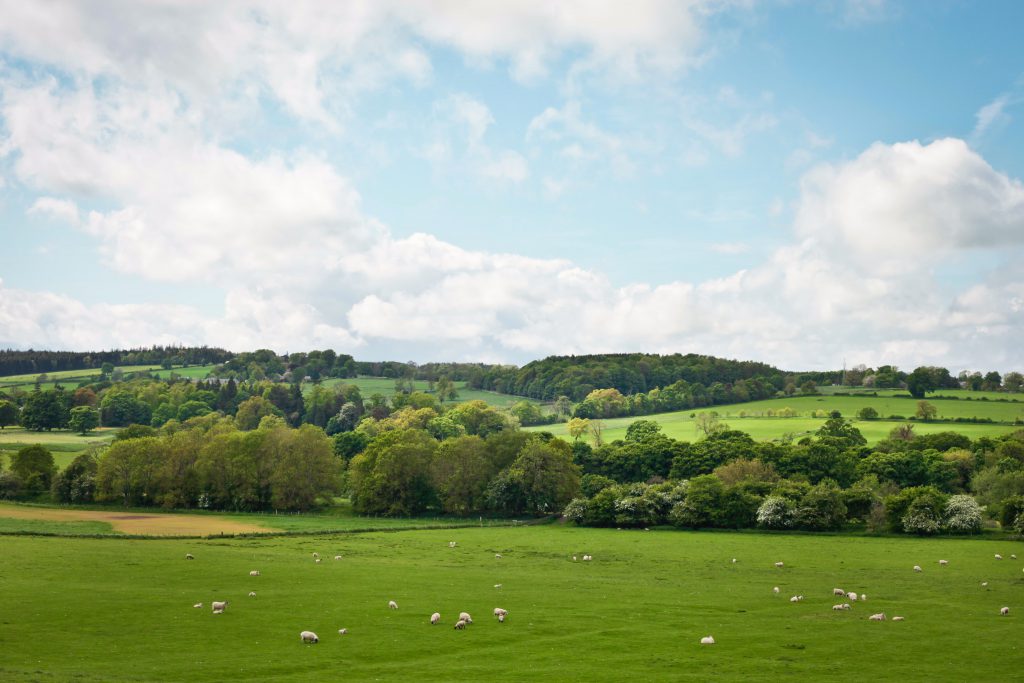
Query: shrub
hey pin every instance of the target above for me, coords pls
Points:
(867, 413)
(576, 510)
(963, 515)
(592, 484)
(775, 512)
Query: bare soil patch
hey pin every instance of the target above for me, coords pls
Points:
(169, 524)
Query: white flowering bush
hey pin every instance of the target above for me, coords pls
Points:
(920, 521)
(775, 512)
(963, 515)
(576, 510)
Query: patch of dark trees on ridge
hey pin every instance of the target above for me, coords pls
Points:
(14, 362)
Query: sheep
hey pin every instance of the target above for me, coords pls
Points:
(1004, 611)
(796, 598)
(435, 618)
(1012, 556)
(219, 607)
(587, 558)
(499, 612)
(877, 617)
(775, 590)
(498, 586)
(501, 618)
(846, 605)
(942, 563)
(707, 640)
(464, 616)
(309, 637)
(497, 556)
(897, 618)
(342, 631)
(460, 624)
(838, 591)
(838, 607)
(863, 597)
(734, 560)
(392, 604)
(337, 557)
(998, 556)
(254, 572)
(316, 556)
(317, 560)
(779, 565)
(198, 605)
(452, 544)
(984, 584)
(189, 556)
(852, 596)
(252, 594)
(573, 558)
(917, 568)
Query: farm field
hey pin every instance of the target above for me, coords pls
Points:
(641, 606)
(680, 426)
(386, 387)
(64, 445)
(885, 405)
(69, 379)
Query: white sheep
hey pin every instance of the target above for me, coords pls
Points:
(219, 607)
(1004, 611)
(573, 558)
(780, 565)
(498, 586)
(317, 560)
(863, 597)
(464, 616)
(342, 631)
(897, 618)
(796, 598)
(435, 618)
(316, 556)
(942, 563)
(252, 594)
(198, 605)
(497, 556)
(460, 624)
(838, 591)
(309, 637)
(846, 605)
(189, 556)
(838, 607)
(337, 557)
(852, 596)
(254, 572)
(501, 618)
(452, 544)
(734, 560)
(917, 568)
(392, 604)
(498, 612)
(1012, 556)
(587, 558)
(707, 640)
(984, 584)
(877, 617)
(775, 590)
(998, 556)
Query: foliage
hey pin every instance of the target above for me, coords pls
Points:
(76, 483)
(776, 512)
(45, 410)
(84, 419)
(34, 468)
(963, 515)
(9, 414)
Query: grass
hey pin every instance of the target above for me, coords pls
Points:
(45, 526)
(386, 387)
(69, 379)
(638, 610)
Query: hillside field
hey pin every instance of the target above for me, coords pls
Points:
(385, 386)
(69, 379)
(121, 610)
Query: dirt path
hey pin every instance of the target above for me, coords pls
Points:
(138, 523)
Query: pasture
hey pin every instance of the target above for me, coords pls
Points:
(121, 610)
(368, 386)
(69, 379)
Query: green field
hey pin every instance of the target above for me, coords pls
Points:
(384, 386)
(121, 610)
(71, 378)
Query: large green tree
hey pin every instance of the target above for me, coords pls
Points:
(45, 410)
(34, 467)
(9, 414)
(84, 419)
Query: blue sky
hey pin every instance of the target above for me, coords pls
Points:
(793, 182)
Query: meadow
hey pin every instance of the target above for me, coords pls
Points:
(121, 610)
(70, 379)
(368, 386)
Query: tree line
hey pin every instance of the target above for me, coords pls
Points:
(32, 362)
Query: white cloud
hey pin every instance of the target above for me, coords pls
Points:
(472, 118)
(581, 141)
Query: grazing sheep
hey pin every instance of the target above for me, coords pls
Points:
(846, 605)
(877, 617)
(435, 618)
(460, 624)
(1013, 557)
(796, 598)
(464, 616)
(734, 560)
(984, 584)
(779, 565)
(254, 572)
(775, 590)
(917, 568)
(342, 631)
(219, 607)
(392, 604)
(497, 556)
(852, 596)
(501, 618)
(863, 597)
(498, 586)
(499, 612)
(838, 591)
(942, 563)
(707, 640)
(189, 556)
(198, 605)
(316, 556)
(838, 607)
(1004, 611)
(897, 618)
(309, 637)
(317, 560)
(573, 558)
(587, 558)
(998, 556)
(337, 557)
(252, 594)
(451, 544)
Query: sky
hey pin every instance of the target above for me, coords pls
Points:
(806, 184)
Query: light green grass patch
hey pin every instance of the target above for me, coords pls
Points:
(638, 610)
(40, 526)
(369, 386)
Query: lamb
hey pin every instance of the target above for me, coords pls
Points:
(464, 616)
(779, 565)
(573, 558)
(219, 607)
(775, 590)
(501, 618)
(863, 597)
(497, 556)
(587, 558)
(897, 618)
(998, 556)
(877, 617)
(984, 584)
(392, 604)
(460, 624)
(734, 560)
(435, 618)
(198, 605)
(317, 560)
(1004, 611)
(451, 544)
(852, 596)
(838, 591)
(309, 637)
(498, 586)
(1012, 556)
(917, 568)
(942, 563)
(707, 640)
(337, 557)
(252, 594)
(499, 612)
(189, 556)
(342, 631)
(796, 598)
(254, 572)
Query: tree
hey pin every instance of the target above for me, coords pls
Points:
(1013, 381)
(8, 414)
(45, 410)
(305, 469)
(963, 515)
(540, 481)
(921, 381)
(775, 512)
(392, 476)
(84, 419)
(461, 471)
(34, 467)
(445, 390)
(76, 483)
(838, 428)
(708, 423)
(252, 410)
(867, 413)
(926, 411)
(702, 506)
(119, 408)
(808, 388)
(563, 406)
(577, 427)
(528, 413)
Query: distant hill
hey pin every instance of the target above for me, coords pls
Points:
(14, 362)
